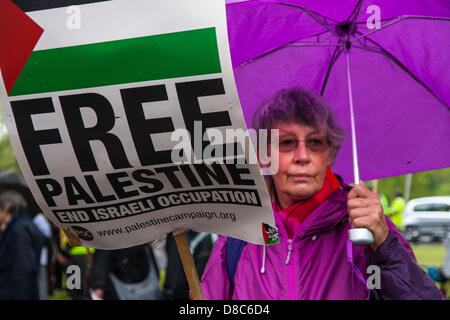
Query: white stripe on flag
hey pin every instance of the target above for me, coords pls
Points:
(114, 20)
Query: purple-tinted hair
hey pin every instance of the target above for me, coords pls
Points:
(303, 106)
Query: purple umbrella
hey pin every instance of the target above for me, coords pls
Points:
(393, 72)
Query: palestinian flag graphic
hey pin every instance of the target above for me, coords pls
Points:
(104, 47)
(270, 234)
(18, 36)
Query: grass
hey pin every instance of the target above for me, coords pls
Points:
(430, 255)
(59, 294)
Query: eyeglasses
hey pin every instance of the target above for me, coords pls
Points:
(316, 144)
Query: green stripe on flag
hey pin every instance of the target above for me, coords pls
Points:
(164, 56)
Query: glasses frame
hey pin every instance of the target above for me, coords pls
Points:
(319, 149)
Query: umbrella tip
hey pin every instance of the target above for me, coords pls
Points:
(346, 28)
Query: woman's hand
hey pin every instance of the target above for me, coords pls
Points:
(99, 293)
(365, 211)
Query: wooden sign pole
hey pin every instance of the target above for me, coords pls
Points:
(189, 266)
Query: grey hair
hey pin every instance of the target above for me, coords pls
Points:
(305, 107)
(12, 201)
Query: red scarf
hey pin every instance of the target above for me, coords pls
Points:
(294, 215)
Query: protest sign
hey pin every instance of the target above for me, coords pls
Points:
(111, 107)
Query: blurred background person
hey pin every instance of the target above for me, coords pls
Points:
(45, 228)
(383, 199)
(395, 210)
(20, 249)
(125, 274)
(56, 266)
(78, 256)
(441, 275)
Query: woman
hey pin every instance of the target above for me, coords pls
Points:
(313, 211)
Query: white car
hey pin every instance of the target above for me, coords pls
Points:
(427, 217)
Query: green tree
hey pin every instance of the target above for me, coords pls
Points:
(8, 160)
(424, 184)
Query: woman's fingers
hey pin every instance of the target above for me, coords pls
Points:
(359, 191)
(361, 202)
(360, 212)
(365, 211)
(365, 221)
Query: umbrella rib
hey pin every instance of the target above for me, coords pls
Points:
(311, 44)
(336, 54)
(355, 11)
(329, 36)
(312, 15)
(397, 20)
(381, 50)
(303, 8)
(315, 35)
(377, 30)
(357, 7)
(289, 44)
(381, 20)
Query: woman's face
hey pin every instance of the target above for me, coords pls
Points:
(304, 157)
(3, 216)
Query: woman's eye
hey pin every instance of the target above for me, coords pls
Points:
(287, 142)
(315, 142)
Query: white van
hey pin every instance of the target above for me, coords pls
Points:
(427, 217)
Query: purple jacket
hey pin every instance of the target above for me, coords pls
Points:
(319, 262)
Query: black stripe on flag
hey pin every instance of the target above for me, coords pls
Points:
(35, 5)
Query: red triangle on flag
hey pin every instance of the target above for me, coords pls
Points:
(18, 37)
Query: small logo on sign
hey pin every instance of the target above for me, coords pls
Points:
(83, 233)
(270, 234)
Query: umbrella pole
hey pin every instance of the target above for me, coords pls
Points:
(358, 236)
(352, 121)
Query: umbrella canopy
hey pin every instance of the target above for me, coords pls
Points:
(397, 72)
(12, 181)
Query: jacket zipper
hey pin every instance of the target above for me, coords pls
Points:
(291, 272)
(288, 258)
